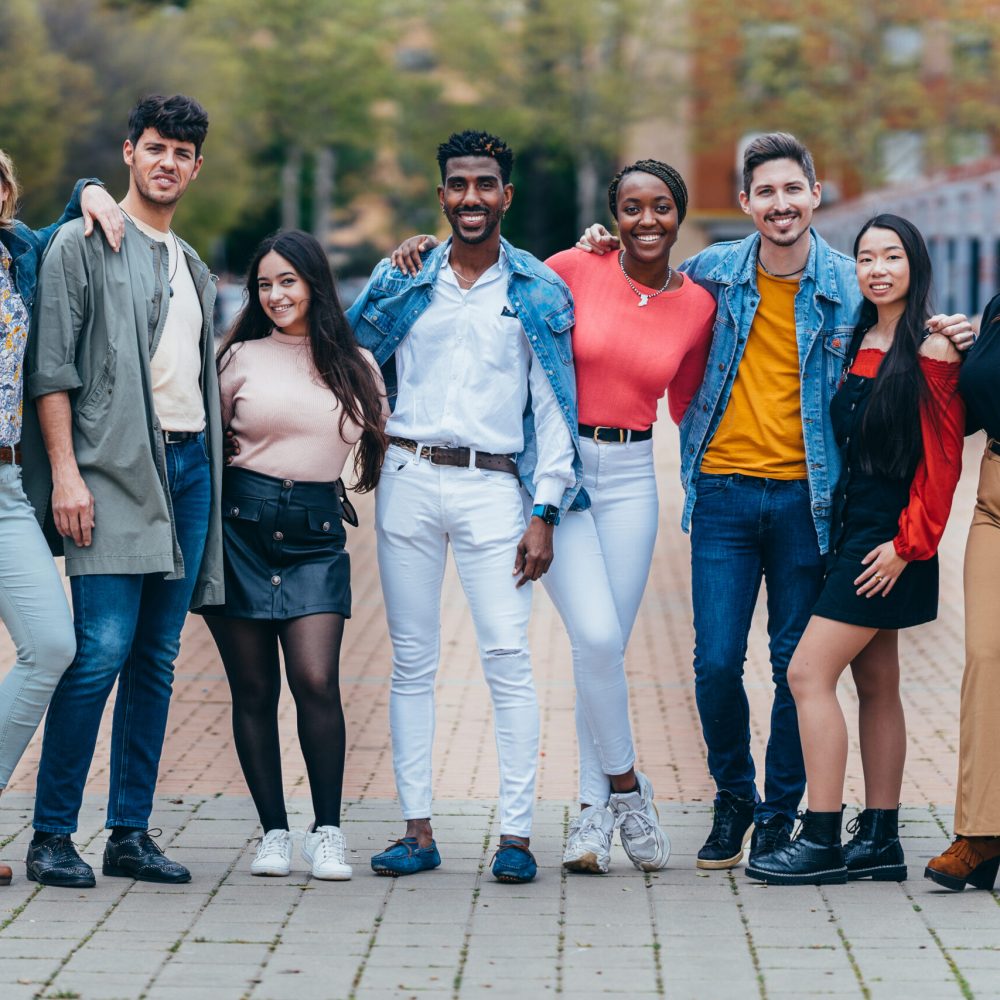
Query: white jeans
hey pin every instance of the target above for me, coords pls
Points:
(419, 509)
(596, 581)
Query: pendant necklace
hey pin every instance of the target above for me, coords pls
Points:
(644, 297)
(177, 252)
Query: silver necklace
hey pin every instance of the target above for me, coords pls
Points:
(177, 252)
(644, 297)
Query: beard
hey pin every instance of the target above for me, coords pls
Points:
(786, 239)
(156, 197)
(489, 227)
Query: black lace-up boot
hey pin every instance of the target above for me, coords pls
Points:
(875, 851)
(731, 828)
(813, 857)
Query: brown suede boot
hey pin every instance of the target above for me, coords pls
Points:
(969, 860)
(5, 874)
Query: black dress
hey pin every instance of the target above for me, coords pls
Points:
(866, 513)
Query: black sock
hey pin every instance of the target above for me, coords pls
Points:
(118, 832)
(41, 836)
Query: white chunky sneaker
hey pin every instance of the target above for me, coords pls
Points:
(635, 815)
(274, 854)
(588, 848)
(325, 849)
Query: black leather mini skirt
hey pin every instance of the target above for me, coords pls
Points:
(283, 546)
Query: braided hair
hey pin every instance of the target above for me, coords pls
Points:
(469, 143)
(657, 168)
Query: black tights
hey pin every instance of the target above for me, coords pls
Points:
(311, 647)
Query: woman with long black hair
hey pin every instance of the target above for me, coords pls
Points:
(299, 395)
(899, 423)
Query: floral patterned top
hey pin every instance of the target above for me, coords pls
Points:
(13, 338)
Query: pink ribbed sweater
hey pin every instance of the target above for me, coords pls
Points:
(283, 414)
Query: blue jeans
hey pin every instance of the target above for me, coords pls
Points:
(745, 529)
(128, 630)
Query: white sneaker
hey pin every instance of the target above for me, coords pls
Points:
(638, 822)
(274, 854)
(588, 848)
(325, 848)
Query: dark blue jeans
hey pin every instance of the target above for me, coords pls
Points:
(128, 630)
(745, 529)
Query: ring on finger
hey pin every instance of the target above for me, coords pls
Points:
(879, 578)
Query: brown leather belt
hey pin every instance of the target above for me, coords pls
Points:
(459, 457)
(10, 455)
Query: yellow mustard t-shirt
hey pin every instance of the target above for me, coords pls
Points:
(760, 433)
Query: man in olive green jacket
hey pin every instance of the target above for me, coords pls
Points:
(122, 375)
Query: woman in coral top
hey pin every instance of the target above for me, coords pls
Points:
(899, 422)
(642, 330)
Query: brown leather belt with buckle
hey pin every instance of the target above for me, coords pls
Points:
(459, 457)
(10, 455)
(614, 435)
(994, 446)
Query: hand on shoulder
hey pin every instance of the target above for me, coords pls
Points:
(940, 348)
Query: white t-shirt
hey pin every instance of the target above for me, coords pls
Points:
(176, 364)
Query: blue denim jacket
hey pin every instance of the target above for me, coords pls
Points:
(392, 301)
(26, 245)
(827, 307)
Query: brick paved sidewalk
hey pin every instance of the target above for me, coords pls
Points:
(457, 933)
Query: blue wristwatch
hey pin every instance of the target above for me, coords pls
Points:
(548, 512)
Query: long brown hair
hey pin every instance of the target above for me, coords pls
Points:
(335, 352)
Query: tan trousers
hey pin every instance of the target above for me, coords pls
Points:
(977, 809)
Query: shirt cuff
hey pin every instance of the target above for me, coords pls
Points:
(63, 379)
(549, 491)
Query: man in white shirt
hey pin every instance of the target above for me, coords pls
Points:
(478, 364)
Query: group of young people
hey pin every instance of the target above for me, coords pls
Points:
(504, 408)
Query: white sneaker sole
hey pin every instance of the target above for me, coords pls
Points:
(333, 876)
(587, 863)
(270, 871)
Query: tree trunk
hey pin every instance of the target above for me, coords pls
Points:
(323, 187)
(291, 178)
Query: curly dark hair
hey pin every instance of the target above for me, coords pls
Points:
(668, 174)
(469, 143)
(177, 117)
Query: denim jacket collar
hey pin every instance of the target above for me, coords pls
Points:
(739, 266)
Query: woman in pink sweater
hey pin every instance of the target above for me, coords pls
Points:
(642, 330)
(299, 395)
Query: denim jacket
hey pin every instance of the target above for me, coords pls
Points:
(392, 301)
(26, 245)
(827, 307)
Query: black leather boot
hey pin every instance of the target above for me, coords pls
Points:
(875, 851)
(814, 856)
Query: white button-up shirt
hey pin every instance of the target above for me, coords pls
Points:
(465, 371)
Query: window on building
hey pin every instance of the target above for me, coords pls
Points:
(971, 47)
(772, 58)
(969, 145)
(903, 44)
(901, 155)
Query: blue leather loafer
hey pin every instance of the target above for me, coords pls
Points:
(513, 862)
(404, 857)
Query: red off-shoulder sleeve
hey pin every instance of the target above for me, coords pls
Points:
(942, 426)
